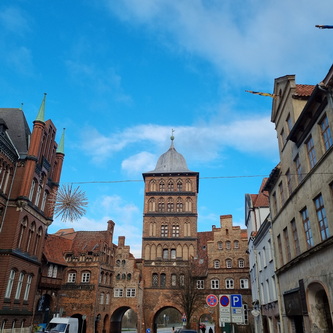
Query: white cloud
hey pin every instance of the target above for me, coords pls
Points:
(249, 40)
(202, 143)
(138, 162)
(14, 20)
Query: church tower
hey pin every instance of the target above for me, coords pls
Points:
(169, 239)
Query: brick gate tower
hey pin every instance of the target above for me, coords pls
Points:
(169, 231)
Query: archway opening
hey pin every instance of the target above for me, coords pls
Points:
(124, 319)
(167, 320)
(206, 323)
(319, 308)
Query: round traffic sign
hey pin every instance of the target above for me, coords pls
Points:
(211, 300)
(224, 300)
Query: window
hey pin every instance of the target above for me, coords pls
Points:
(27, 288)
(244, 283)
(228, 263)
(279, 243)
(286, 243)
(170, 205)
(163, 280)
(152, 185)
(130, 292)
(71, 277)
(118, 292)
(101, 298)
(179, 205)
(161, 204)
(326, 133)
(173, 280)
(45, 195)
(200, 284)
(162, 186)
(164, 230)
(179, 185)
(155, 280)
(182, 280)
(85, 277)
(289, 181)
(321, 216)
(170, 186)
(188, 204)
(32, 189)
(229, 284)
(173, 253)
(236, 244)
(165, 254)
(216, 263)
(214, 284)
(175, 231)
(307, 227)
(19, 286)
(228, 245)
(241, 263)
(295, 237)
(298, 168)
(10, 284)
(23, 227)
(151, 205)
(107, 298)
(220, 245)
(311, 152)
(269, 250)
(282, 198)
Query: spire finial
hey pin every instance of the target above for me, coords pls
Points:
(21, 107)
(41, 112)
(172, 137)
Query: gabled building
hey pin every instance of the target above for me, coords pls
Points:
(30, 168)
(262, 268)
(301, 203)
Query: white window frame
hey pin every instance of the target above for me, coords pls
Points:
(229, 283)
(27, 288)
(130, 292)
(118, 292)
(85, 277)
(244, 284)
(71, 277)
(10, 283)
(200, 284)
(215, 284)
(19, 286)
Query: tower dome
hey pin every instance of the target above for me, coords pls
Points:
(171, 161)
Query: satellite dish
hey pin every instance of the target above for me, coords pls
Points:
(255, 313)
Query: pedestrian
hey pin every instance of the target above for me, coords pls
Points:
(203, 328)
(210, 330)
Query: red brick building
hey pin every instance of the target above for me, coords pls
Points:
(30, 168)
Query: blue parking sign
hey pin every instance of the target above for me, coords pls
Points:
(236, 301)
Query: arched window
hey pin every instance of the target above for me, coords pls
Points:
(19, 286)
(182, 280)
(236, 244)
(170, 185)
(45, 196)
(85, 278)
(118, 277)
(30, 235)
(228, 263)
(155, 280)
(71, 278)
(107, 298)
(220, 245)
(188, 185)
(123, 262)
(163, 280)
(170, 204)
(173, 253)
(188, 204)
(165, 254)
(23, 228)
(123, 276)
(129, 276)
(27, 288)
(161, 205)
(173, 280)
(228, 245)
(10, 283)
(151, 205)
(118, 263)
(101, 299)
(164, 230)
(241, 263)
(38, 238)
(179, 205)
(39, 190)
(175, 230)
(162, 186)
(179, 185)
(216, 263)
(152, 185)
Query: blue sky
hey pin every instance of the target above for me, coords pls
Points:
(120, 75)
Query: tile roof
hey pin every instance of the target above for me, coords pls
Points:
(303, 90)
(54, 249)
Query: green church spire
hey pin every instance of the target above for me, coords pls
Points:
(41, 112)
(61, 146)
